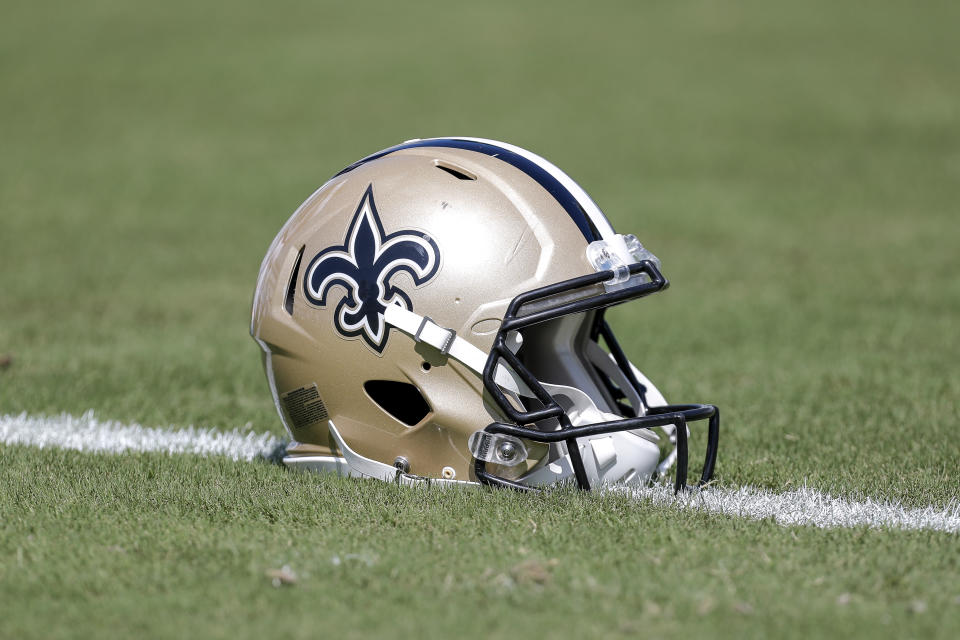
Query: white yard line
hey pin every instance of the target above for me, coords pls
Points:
(89, 433)
(804, 506)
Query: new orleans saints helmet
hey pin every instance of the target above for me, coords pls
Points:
(435, 313)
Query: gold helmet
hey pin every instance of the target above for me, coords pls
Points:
(435, 313)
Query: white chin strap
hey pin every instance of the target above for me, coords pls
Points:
(423, 329)
(628, 457)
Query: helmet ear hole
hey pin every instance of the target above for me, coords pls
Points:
(401, 400)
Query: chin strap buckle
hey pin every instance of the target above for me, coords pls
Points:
(445, 349)
(447, 342)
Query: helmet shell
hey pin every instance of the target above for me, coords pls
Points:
(497, 233)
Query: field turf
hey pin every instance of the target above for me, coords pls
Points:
(795, 165)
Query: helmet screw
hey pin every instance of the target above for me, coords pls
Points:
(402, 463)
(507, 451)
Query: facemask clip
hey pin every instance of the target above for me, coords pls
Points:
(617, 254)
(497, 448)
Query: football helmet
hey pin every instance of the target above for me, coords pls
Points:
(435, 313)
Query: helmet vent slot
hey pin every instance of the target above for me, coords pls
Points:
(457, 172)
(292, 285)
(402, 400)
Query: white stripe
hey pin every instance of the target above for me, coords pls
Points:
(593, 211)
(804, 506)
(88, 433)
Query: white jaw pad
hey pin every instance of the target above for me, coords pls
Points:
(626, 457)
(620, 457)
(582, 410)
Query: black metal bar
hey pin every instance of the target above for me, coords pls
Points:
(571, 284)
(713, 443)
(514, 321)
(576, 461)
(672, 413)
(623, 362)
(680, 481)
(526, 375)
(551, 409)
(485, 477)
(501, 351)
(677, 415)
(598, 320)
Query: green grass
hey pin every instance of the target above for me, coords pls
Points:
(174, 546)
(797, 167)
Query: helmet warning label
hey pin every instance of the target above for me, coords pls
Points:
(304, 406)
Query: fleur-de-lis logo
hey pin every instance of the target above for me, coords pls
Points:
(364, 265)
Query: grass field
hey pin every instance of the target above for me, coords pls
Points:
(795, 165)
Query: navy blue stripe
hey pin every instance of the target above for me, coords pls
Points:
(529, 167)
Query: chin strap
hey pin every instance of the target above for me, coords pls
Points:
(423, 329)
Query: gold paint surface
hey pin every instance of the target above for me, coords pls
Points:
(498, 236)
